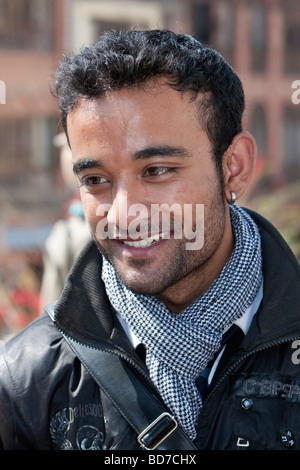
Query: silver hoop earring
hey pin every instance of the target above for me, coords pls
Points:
(233, 197)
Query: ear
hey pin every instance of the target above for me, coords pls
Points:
(238, 164)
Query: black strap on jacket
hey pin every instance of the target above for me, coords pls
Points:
(155, 427)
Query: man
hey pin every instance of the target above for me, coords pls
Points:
(153, 120)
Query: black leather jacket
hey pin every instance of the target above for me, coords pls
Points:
(49, 401)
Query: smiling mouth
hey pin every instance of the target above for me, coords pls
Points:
(147, 241)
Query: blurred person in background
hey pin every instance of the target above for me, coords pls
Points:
(68, 235)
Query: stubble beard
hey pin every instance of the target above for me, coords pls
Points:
(141, 279)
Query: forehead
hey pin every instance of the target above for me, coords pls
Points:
(129, 105)
(125, 121)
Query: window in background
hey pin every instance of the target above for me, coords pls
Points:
(258, 36)
(26, 148)
(201, 22)
(27, 24)
(292, 36)
(292, 141)
(223, 35)
(259, 128)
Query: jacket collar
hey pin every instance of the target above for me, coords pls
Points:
(84, 312)
(278, 316)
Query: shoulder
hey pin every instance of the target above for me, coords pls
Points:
(30, 358)
(274, 246)
(34, 337)
(36, 368)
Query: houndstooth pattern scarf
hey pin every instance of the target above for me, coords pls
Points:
(179, 346)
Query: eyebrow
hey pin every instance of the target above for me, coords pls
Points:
(161, 151)
(85, 164)
(148, 152)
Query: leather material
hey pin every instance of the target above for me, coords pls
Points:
(133, 399)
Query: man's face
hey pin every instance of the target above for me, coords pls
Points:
(146, 146)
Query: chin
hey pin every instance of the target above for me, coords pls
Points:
(137, 284)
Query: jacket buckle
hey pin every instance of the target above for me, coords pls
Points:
(157, 431)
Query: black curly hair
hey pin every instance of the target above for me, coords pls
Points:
(130, 58)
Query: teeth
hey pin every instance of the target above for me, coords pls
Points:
(148, 241)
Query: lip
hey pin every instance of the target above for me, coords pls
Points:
(146, 241)
(138, 251)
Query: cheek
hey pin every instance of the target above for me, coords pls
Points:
(90, 209)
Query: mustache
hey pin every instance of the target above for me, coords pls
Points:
(142, 227)
(186, 222)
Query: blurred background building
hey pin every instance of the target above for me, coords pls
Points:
(261, 40)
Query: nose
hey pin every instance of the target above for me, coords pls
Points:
(129, 211)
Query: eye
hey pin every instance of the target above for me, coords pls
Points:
(93, 181)
(158, 170)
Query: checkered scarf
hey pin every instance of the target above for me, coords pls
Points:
(179, 346)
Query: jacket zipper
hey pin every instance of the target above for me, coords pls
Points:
(243, 358)
(223, 377)
(144, 375)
